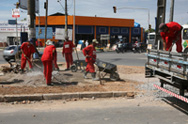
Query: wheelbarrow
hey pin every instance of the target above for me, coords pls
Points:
(107, 68)
(78, 65)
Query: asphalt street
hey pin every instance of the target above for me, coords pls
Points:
(129, 58)
(99, 111)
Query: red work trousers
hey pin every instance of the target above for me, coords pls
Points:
(90, 67)
(47, 71)
(178, 44)
(55, 63)
(69, 59)
(23, 63)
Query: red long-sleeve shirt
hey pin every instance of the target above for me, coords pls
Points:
(48, 53)
(68, 47)
(174, 29)
(27, 49)
(90, 51)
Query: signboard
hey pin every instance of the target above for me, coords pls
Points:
(104, 37)
(15, 13)
(42, 35)
(23, 5)
(60, 34)
(6, 27)
(11, 22)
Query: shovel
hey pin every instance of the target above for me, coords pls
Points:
(172, 45)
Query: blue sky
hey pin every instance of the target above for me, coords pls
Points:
(103, 8)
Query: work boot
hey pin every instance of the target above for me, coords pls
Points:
(85, 75)
(94, 77)
(67, 69)
(50, 84)
(22, 71)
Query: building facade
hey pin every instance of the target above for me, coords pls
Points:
(107, 30)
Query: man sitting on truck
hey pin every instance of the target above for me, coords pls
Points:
(171, 32)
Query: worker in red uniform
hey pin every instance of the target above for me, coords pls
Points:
(47, 60)
(67, 52)
(171, 32)
(27, 49)
(90, 54)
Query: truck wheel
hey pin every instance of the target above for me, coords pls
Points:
(186, 50)
(74, 68)
(114, 76)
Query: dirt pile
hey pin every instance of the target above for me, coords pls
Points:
(33, 82)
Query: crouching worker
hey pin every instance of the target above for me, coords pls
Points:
(27, 49)
(47, 59)
(90, 54)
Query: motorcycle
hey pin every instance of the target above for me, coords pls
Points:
(136, 48)
(120, 48)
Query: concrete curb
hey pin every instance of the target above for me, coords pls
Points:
(12, 98)
(63, 96)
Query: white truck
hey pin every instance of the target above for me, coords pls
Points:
(170, 67)
(151, 39)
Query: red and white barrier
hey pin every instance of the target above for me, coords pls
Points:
(171, 93)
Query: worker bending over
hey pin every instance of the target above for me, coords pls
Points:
(47, 59)
(27, 49)
(171, 32)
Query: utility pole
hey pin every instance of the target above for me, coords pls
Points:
(161, 12)
(46, 7)
(31, 19)
(66, 30)
(171, 11)
(31, 22)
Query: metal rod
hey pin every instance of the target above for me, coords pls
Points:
(17, 32)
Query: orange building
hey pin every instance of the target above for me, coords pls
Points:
(87, 28)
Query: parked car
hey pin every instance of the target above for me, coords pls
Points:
(10, 52)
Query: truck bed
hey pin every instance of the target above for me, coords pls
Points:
(171, 68)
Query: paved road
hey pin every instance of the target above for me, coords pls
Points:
(128, 58)
(100, 111)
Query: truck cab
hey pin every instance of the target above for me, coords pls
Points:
(184, 39)
(151, 39)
